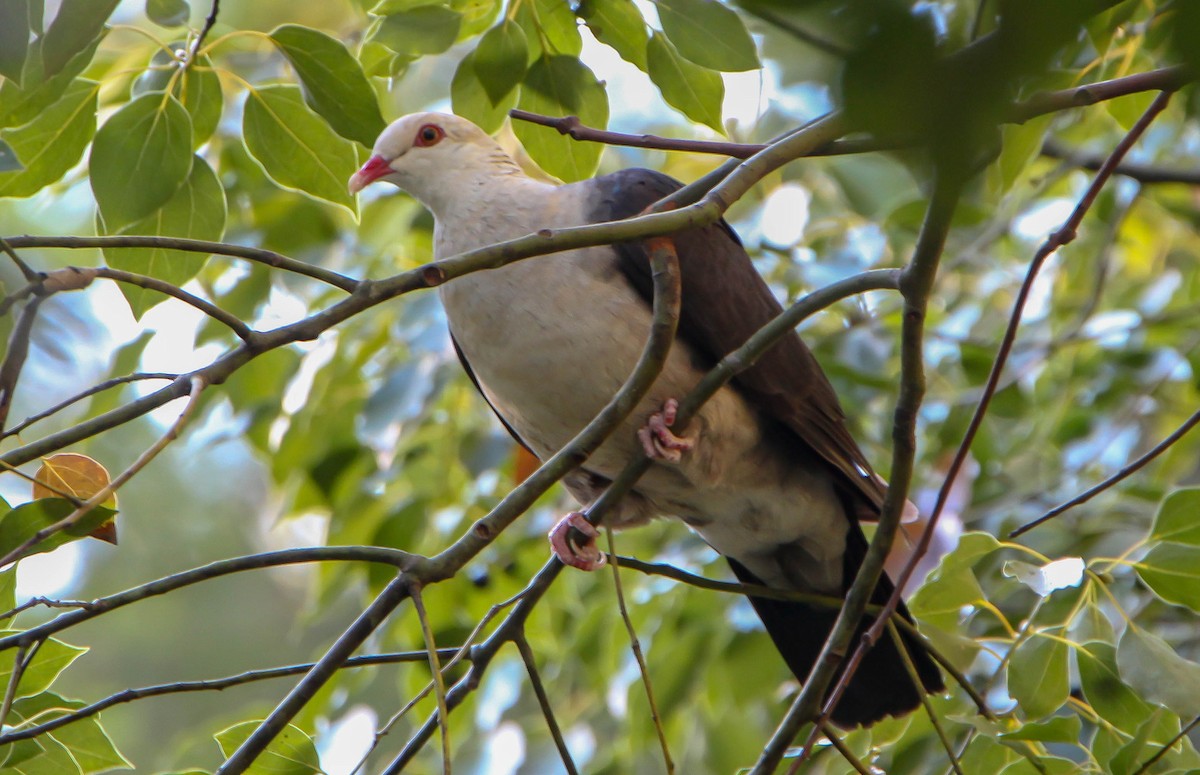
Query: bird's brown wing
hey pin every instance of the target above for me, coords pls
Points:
(725, 301)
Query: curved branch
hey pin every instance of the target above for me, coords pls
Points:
(103, 605)
(206, 685)
(258, 255)
(1111, 481)
(232, 322)
(99, 388)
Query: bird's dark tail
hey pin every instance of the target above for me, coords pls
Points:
(881, 685)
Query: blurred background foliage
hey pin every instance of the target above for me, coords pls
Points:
(371, 434)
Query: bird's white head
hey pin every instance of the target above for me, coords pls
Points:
(434, 157)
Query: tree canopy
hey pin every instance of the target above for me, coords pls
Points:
(982, 215)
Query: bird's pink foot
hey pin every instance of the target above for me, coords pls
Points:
(586, 556)
(657, 439)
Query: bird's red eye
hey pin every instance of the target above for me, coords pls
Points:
(429, 135)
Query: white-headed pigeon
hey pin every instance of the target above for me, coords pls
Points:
(766, 473)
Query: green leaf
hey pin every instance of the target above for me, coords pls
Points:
(23, 522)
(198, 90)
(1021, 144)
(941, 600)
(619, 25)
(78, 24)
(8, 589)
(296, 147)
(21, 105)
(561, 86)
(168, 13)
(140, 158)
(1157, 673)
(51, 144)
(1176, 519)
(19, 752)
(500, 60)
(89, 745)
(1160, 727)
(14, 38)
(55, 759)
(1044, 579)
(469, 100)
(556, 22)
(1104, 689)
(1060, 729)
(291, 753)
(51, 659)
(197, 211)
(709, 34)
(1038, 678)
(695, 91)
(427, 29)
(334, 83)
(1173, 572)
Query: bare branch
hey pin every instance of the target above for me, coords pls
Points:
(257, 255)
(1145, 174)
(14, 361)
(1167, 746)
(212, 684)
(27, 271)
(1111, 481)
(105, 492)
(232, 322)
(99, 606)
(414, 592)
(100, 388)
(636, 647)
(539, 691)
(320, 673)
(209, 23)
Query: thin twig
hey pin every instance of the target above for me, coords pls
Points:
(1166, 747)
(414, 592)
(14, 678)
(1062, 236)
(232, 322)
(99, 388)
(1020, 112)
(916, 285)
(209, 23)
(334, 658)
(1113, 480)
(832, 735)
(933, 716)
(258, 255)
(212, 684)
(30, 275)
(213, 570)
(636, 647)
(539, 691)
(18, 351)
(1147, 174)
(105, 492)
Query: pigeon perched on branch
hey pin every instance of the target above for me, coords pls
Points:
(766, 472)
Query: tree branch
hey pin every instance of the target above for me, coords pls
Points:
(1113, 480)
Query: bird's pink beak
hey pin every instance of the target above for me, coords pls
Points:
(375, 168)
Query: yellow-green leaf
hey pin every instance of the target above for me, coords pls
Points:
(695, 91)
(333, 80)
(427, 29)
(52, 143)
(197, 211)
(470, 100)
(140, 158)
(709, 34)
(1177, 518)
(500, 60)
(168, 13)
(292, 752)
(619, 25)
(560, 86)
(296, 147)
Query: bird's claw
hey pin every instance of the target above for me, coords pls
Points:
(657, 439)
(586, 556)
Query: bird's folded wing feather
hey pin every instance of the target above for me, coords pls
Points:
(724, 302)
